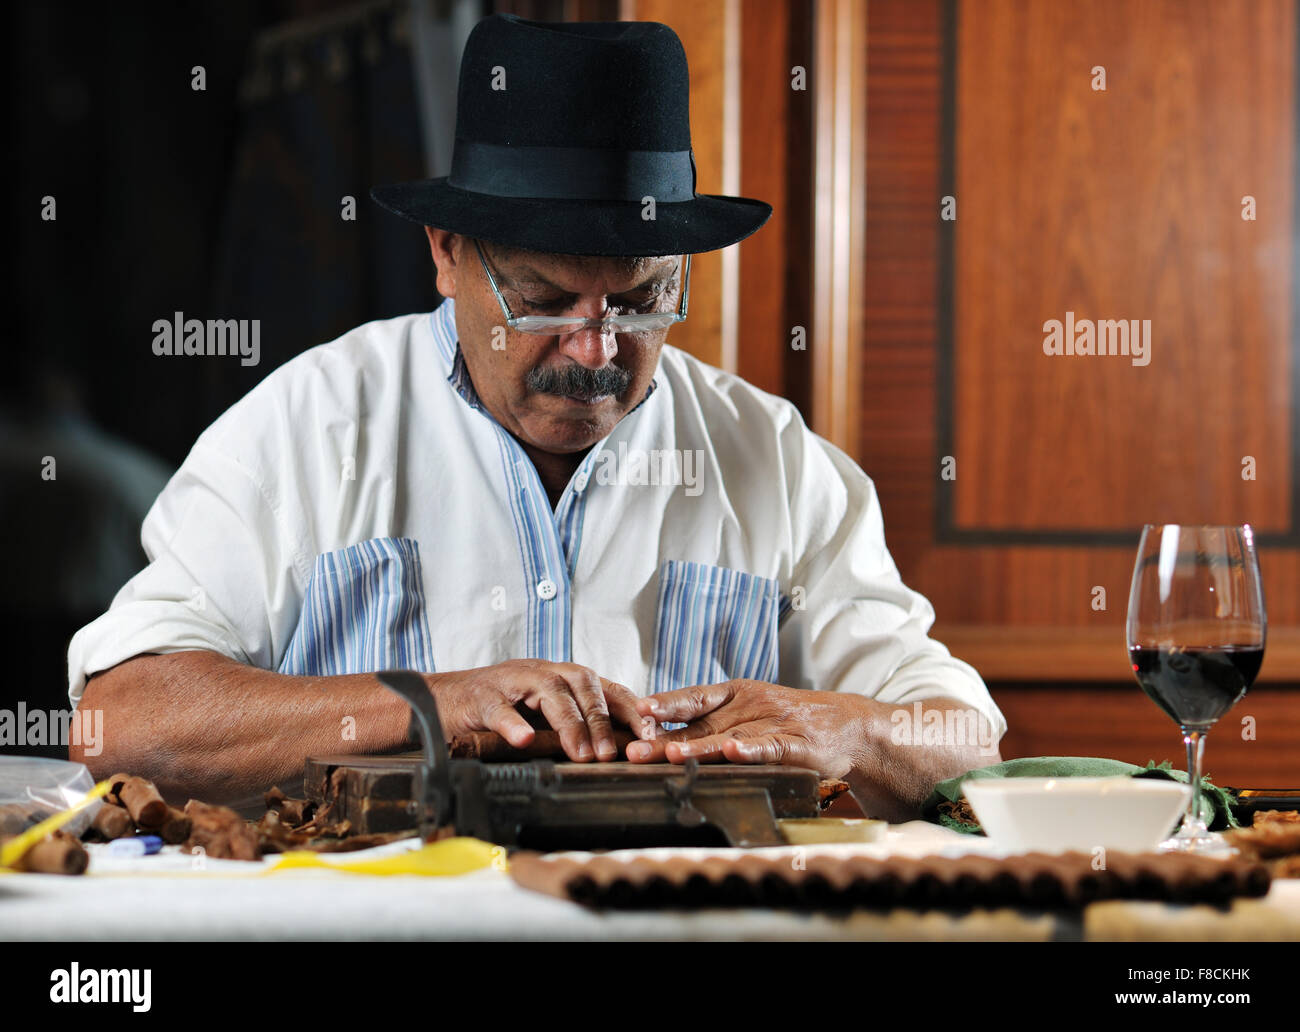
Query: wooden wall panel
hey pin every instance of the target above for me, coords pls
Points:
(1123, 724)
(905, 53)
(709, 332)
(1109, 204)
(768, 135)
(839, 218)
(751, 134)
(1024, 652)
(1123, 204)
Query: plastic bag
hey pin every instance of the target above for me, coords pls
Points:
(45, 787)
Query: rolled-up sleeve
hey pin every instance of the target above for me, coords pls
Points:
(220, 575)
(853, 625)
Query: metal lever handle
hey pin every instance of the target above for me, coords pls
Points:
(433, 778)
(688, 815)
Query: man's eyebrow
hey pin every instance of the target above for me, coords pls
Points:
(530, 277)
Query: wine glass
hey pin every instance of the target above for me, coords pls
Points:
(1196, 629)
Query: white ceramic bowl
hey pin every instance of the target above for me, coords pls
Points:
(1061, 814)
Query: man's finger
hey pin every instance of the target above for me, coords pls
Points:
(588, 691)
(687, 703)
(622, 707)
(709, 749)
(500, 716)
(561, 711)
(770, 748)
(655, 750)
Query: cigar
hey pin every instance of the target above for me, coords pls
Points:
(828, 884)
(112, 822)
(57, 853)
(143, 802)
(1189, 878)
(878, 885)
(921, 887)
(978, 880)
(176, 827)
(115, 784)
(16, 817)
(739, 887)
(488, 745)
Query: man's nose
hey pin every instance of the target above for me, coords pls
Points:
(591, 347)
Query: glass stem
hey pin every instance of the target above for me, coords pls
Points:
(1193, 825)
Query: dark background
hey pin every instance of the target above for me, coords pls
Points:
(224, 203)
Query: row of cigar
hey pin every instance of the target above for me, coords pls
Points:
(1032, 880)
(132, 806)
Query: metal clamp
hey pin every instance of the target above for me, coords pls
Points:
(433, 778)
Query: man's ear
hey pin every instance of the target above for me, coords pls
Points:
(446, 248)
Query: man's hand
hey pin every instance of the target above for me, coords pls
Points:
(839, 734)
(755, 722)
(575, 700)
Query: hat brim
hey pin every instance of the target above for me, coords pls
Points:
(601, 228)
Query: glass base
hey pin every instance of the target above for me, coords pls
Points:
(1197, 844)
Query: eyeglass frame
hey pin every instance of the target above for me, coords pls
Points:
(549, 325)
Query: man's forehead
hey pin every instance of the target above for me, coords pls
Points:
(528, 268)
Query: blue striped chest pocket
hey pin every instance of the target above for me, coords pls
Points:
(363, 610)
(714, 624)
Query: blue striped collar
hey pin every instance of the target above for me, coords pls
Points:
(442, 321)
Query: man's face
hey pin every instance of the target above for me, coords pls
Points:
(559, 394)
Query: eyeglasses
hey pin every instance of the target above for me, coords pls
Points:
(635, 322)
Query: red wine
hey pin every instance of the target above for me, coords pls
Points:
(1196, 686)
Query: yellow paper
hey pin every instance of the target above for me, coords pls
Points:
(434, 859)
(12, 851)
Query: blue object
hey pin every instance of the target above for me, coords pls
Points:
(139, 845)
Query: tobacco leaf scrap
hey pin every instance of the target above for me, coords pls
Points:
(299, 824)
(959, 812)
(1274, 838)
(220, 832)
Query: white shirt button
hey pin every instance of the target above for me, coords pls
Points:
(546, 589)
(580, 482)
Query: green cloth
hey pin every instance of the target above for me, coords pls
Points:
(1216, 802)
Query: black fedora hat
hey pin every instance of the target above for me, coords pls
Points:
(564, 132)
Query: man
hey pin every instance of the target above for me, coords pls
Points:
(529, 495)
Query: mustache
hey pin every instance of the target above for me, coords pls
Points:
(578, 381)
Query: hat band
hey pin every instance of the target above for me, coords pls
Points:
(572, 173)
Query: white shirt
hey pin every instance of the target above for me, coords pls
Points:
(359, 511)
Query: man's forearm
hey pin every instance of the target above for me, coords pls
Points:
(902, 762)
(199, 724)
